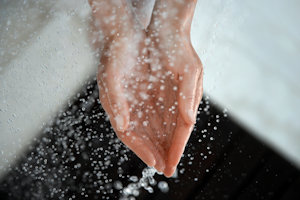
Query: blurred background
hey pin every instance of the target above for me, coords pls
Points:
(250, 51)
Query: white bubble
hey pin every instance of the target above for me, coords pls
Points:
(118, 185)
(163, 186)
(133, 178)
(140, 114)
(133, 188)
(145, 123)
(144, 96)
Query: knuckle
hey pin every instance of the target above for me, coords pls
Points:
(102, 97)
(102, 75)
(197, 69)
(188, 97)
(200, 65)
(102, 69)
(194, 70)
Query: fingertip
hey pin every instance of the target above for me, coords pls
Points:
(121, 122)
(121, 113)
(191, 116)
(160, 165)
(151, 163)
(186, 109)
(173, 160)
(187, 96)
(147, 158)
(133, 142)
(169, 171)
(187, 113)
(179, 141)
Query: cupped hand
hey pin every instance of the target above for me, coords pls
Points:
(124, 80)
(179, 70)
(121, 72)
(150, 82)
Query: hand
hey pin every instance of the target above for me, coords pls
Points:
(176, 65)
(141, 94)
(121, 70)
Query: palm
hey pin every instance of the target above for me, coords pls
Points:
(179, 69)
(151, 95)
(121, 72)
(152, 117)
(145, 82)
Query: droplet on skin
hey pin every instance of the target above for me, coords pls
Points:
(191, 115)
(152, 79)
(150, 86)
(145, 123)
(144, 96)
(140, 114)
(120, 122)
(147, 41)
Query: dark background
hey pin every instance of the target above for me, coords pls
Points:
(79, 157)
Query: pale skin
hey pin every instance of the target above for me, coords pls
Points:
(150, 81)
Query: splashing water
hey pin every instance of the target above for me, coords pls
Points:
(146, 181)
(60, 160)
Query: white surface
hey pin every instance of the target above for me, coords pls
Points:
(39, 79)
(249, 49)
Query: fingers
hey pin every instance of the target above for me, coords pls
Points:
(111, 15)
(159, 157)
(113, 100)
(130, 139)
(199, 92)
(187, 93)
(180, 138)
(156, 146)
(139, 146)
(190, 87)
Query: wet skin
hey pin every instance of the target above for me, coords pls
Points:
(150, 81)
